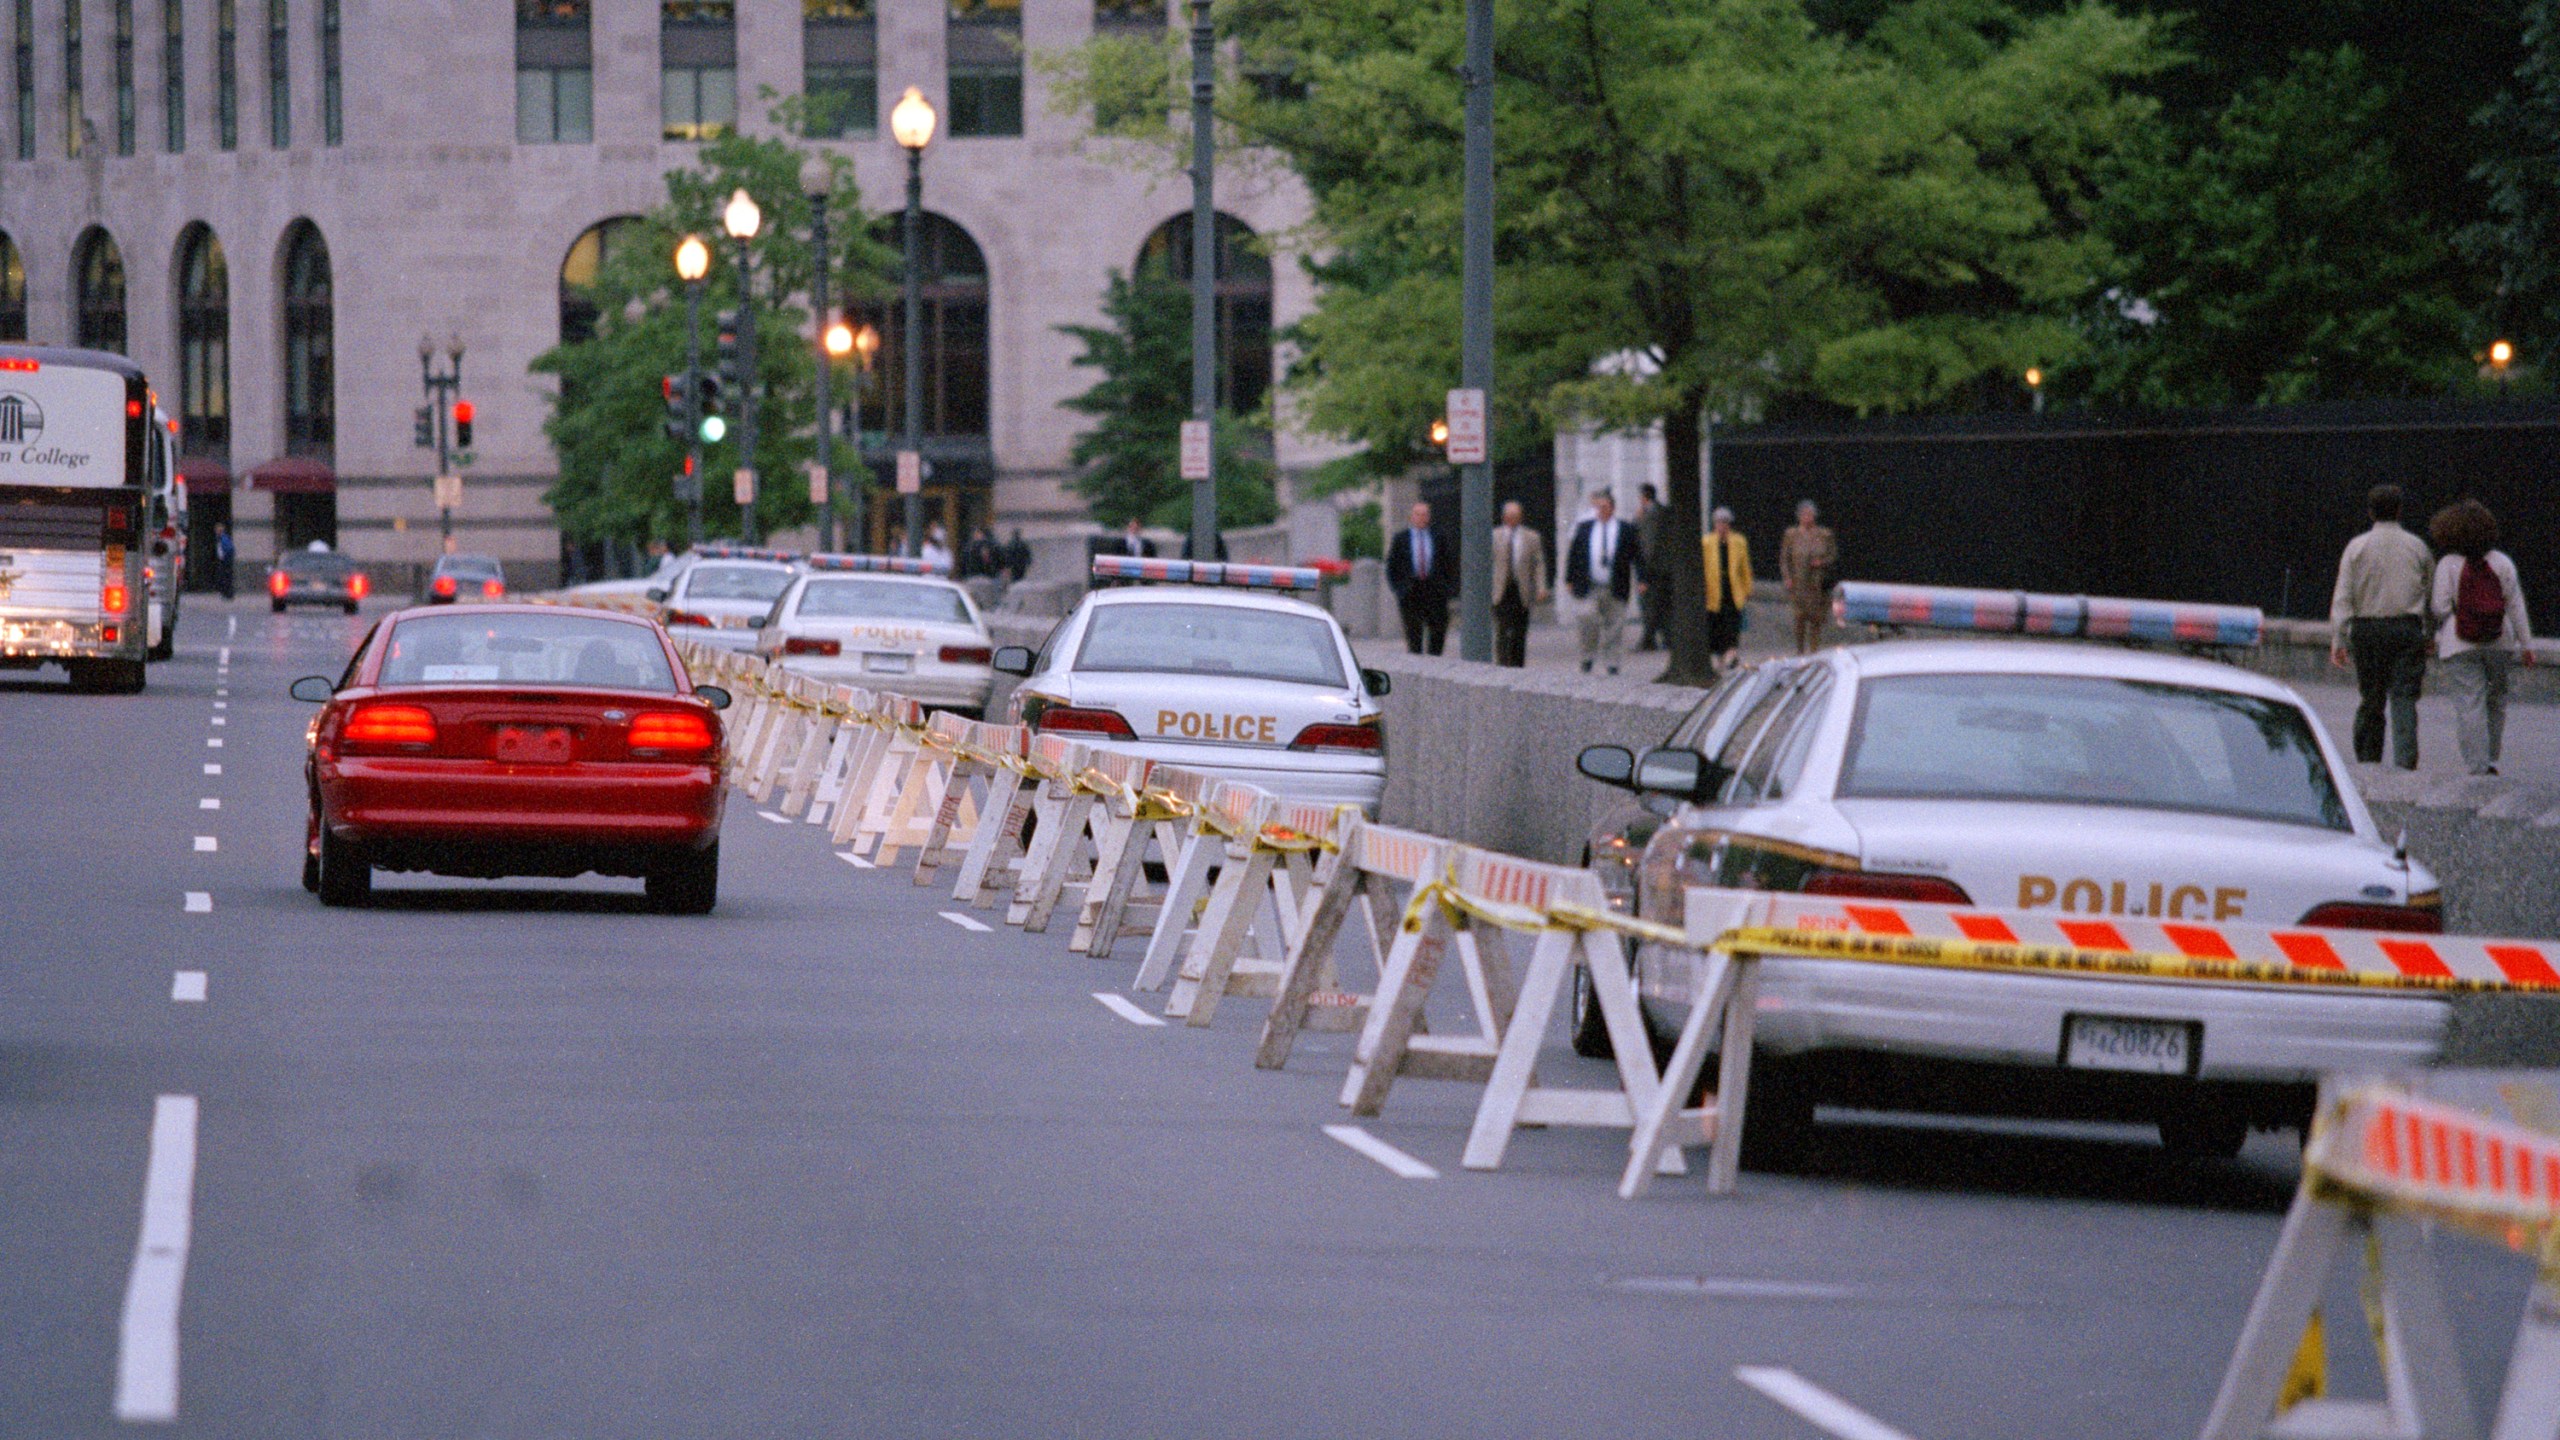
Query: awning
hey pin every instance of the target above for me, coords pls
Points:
(202, 474)
(295, 475)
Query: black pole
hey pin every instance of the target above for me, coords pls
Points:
(747, 388)
(826, 363)
(1204, 273)
(914, 346)
(1475, 345)
(693, 414)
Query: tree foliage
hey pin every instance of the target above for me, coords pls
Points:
(1127, 465)
(2519, 239)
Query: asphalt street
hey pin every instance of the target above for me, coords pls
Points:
(527, 1160)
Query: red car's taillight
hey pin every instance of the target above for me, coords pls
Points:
(2361, 915)
(1363, 738)
(444, 586)
(967, 654)
(1881, 885)
(1086, 722)
(277, 584)
(804, 645)
(409, 726)
(687, 617)
(662, 732)
(493, 588)
(359, 586)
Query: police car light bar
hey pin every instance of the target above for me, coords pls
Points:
(1208, 572)
(2019, 612)
(880, 564)
(723, 550)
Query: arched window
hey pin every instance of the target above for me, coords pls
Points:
(97, 306)
(578, 271)
(310, 364)
(13, 291)
(952, 278)
(1241, 284)
(204, 344)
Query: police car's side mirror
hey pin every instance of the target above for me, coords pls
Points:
(315, 688)
(658, 594)
(712, 695)
(1685, 774)
(1377, 682)
(1608, 764)
(1012, 659)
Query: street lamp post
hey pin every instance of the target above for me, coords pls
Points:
(440, 391)
(693, 262)
(1475, 342)
(1204, 253)
(741, 219)
(861, 344)
(911, 123)
(814, 175)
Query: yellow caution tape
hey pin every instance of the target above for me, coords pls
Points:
(1584, 917)
(2063, 959)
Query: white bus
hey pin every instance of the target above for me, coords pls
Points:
(78, 470)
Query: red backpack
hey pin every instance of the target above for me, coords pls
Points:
(2479, 604)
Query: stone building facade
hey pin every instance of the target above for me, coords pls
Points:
(269, 202)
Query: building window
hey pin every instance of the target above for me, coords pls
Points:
(555, 73)
(279, 76)
(204, 344)
(173, 75)
(952, 277)
(23, 48)
(840, 59)
(226, 73)
(13, 291)
(75, 117)
(578, 271)
(985, 82)
(97, 302)
(124, 77)
(697, 69)
(333, 109)
(1241, 287)
(310, 367)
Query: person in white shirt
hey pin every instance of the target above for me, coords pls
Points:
(2484, 630)
(937, 546)
(1601, 564)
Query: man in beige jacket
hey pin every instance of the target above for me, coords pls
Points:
(1519, 583)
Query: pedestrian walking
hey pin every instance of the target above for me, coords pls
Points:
(1422, 579)
(1728, 557)
(2484, 630)
(2378, 621)
(937, 547)
(982, 555)
(1017, 556)
(1808, 564)
(1519, 584)
(1600, 566)
(1653, 596)
(226, 560)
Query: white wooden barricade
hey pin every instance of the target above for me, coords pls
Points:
(978, 755)
(1724, 991)
(1392, 1042)
(1012, 796)
(849, 707)
(921, 787)
(1374, 869)
(872, 759)
(797, 700)
(1169, 811)
(755, 711)
(1057, 820)
(1259, 897)
(803, 776)
(1078, 834)
(1186, 881)
(882, 806)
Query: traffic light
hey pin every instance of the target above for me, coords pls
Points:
(424, 437)
(679, 411)
(462, 413)
(714, 427)
(726, 347)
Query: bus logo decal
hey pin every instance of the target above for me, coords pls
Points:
(21, 418)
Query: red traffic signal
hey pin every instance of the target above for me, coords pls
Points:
(462, 413)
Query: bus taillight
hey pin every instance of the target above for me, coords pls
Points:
(112, 599)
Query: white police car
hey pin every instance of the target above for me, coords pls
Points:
(723, 593)
(1214, 670)
(886, 622)
(2085, 781)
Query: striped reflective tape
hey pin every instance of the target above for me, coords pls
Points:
(2450, 1162)
(1404, 855)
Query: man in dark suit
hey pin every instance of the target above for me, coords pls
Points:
(1423, 578)
(1601, 563)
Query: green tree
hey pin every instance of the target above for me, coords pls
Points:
(2283, 255)
(2519, 241)
(1127, 465)
(618, 466)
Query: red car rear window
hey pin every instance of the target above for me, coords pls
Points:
(474, 648)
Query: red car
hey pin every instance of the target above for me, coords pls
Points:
(515, 740)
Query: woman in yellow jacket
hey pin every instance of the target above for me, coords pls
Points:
(1728, 589)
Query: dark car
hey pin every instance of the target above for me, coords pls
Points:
(465, 577)
(316, 577)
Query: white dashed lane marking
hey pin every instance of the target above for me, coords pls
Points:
(1404, 1166)
(221, 704)
(1828, 1412)
(856, 861)
(199, 902)
(206, 843)
(967, 922)
(187, 987)
(776, 819)
(212, 769)
(147, 1337)
(1119, 1005)
(208, 803)
(218, 720)
(213, 742)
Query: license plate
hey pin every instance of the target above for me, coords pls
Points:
(548, 745)
(877, 663)
(2113, 1042)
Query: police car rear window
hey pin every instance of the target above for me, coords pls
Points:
(1211, 640)
(2084, 740)
(736, 582)
(880, 600)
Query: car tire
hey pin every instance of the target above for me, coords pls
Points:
(689, 885)
(2204, 1133)
(1590, 1027)
(345, 877)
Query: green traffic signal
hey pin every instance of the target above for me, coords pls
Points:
(713, 427)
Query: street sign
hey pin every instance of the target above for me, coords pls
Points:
(910, 473)
(448, 492)
(1467, 428)
(1195, 449)
(742, 484)
(817, 484)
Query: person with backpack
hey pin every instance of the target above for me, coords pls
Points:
(2484, 630)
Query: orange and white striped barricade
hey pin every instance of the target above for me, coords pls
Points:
(1170, 806)
(796, 706)
(1371, 869)
(1217, 838)
(864, 766)
(1086, 830)
(814, 796)
(2383, 1163)
(1012, 795)
(764, 711)
(1392, 1042)
(979, 755)
(1058, 821)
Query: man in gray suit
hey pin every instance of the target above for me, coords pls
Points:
(1519, 582)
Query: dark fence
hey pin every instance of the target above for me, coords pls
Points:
(2241, 507)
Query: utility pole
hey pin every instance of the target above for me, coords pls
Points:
(826, 361)
(1475, 343)
(747, 390)
(1204, 276)
(693, 414)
